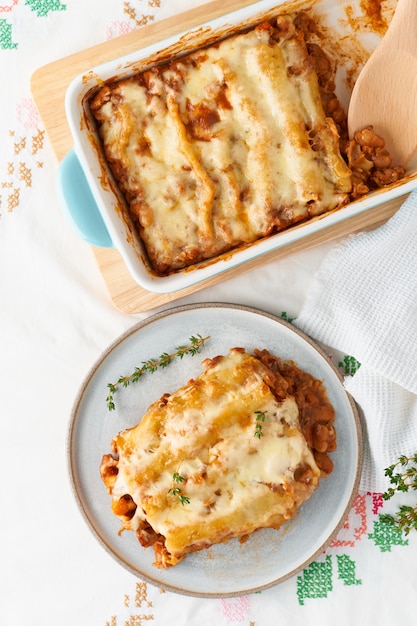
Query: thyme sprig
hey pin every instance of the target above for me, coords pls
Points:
(403, 478)
(176, 491)
(260, 419)
(151, 365)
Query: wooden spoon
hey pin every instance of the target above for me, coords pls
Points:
(385, 94)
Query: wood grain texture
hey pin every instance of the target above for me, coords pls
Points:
(49, 84)
(124, 291)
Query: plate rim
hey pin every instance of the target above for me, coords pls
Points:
(139, 326)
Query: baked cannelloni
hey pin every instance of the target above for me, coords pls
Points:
(223, 146)
(237, 449)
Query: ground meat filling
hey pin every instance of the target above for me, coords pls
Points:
(317, 415)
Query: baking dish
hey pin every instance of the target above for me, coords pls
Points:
(89, 196)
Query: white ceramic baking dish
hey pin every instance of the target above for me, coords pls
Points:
(91, 199)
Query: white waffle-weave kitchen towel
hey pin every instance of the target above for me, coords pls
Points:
(363, 302)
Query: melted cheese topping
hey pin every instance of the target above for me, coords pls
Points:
(223, 147)
(205, 432)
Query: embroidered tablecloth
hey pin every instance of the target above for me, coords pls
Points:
(55, 319)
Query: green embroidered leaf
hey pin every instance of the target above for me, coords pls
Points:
(6, 42)
(316, 580)
(387, 534)
(349, 365)
(42, 7)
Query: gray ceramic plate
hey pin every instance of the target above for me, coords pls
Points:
(231, 569)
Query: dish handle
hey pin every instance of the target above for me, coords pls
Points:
(78, 204)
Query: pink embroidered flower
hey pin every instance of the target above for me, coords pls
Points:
(115, 29)
(236, 609)
(27, 114)
(6, 8)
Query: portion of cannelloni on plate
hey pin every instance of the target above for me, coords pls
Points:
(237, 449)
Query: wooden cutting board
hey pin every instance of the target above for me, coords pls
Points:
(49, 84)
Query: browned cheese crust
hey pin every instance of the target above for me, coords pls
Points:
(237, 449)
(233, 143)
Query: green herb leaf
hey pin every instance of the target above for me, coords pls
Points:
(260, 418)
(151, 365)
(177, 478)
(285, 317)
(176, 491)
